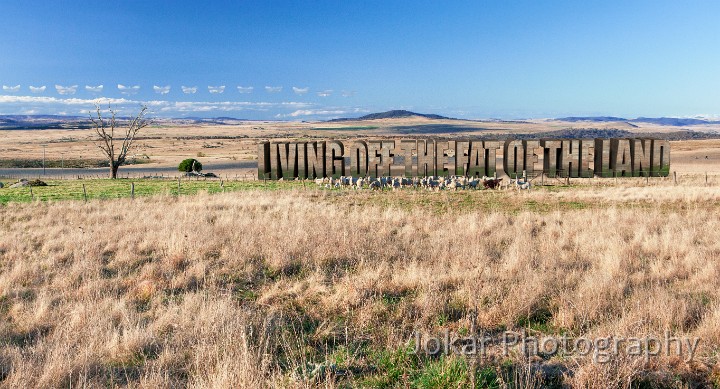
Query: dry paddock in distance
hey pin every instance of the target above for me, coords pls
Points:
(292, 286)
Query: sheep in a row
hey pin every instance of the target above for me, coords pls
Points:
(429, 183)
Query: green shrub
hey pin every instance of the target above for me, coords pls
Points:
(187, 165)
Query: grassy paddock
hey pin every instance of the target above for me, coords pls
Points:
(494, 200)
(306, 288)
(120, 188)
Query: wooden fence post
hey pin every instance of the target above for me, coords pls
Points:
(32, 197)
(178, 186)
(675, 177)
(84, 193)
(132, 190)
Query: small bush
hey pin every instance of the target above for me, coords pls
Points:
(187, 165)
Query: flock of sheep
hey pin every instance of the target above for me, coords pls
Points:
(429, 183)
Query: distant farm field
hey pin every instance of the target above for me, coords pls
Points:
(285, 285)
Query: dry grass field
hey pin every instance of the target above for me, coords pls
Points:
(325, 288)
(285, 285)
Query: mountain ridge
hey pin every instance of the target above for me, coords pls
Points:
(392, 114)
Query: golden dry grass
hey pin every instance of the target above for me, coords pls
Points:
(256, 289)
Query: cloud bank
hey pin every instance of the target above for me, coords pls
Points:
(37, 89)
(13, 104)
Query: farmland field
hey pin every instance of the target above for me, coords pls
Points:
(247, 283)
(306, 286)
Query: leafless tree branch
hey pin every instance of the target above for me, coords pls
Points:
(105, 130)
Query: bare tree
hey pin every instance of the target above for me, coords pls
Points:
(110, 143)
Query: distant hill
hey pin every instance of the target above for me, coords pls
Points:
(663, 121)
(592, 119)
(32, 122)
(394, 114)
(51, 122)
(674, 121)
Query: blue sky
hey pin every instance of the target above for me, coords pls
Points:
(323, 59)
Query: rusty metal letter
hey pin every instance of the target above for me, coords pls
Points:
(462, 157)
(334, 159)
(263, 160)
(513, 152)
(408, 146)
(620, 157)
(551, 156)
(443, 167)
(426, 158)
(358, 159)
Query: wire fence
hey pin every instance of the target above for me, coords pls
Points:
(99, 186)
(133, 176)
(536, 179)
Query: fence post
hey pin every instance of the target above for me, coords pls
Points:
(132, 190)
(32, 197)
(706, 178)
(675, 177)
(178, 186)
(84, 193)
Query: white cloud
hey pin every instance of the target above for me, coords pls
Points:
(188, 90)
(128, 90)
(94, 89)
(227, 106)
(163, 90)
(216, 89)
(300, 91)
(333, 112)
(65, 101)
(273, 89)
(37, 89)
(11, 89)
(325, 93)
(245, 89)
(66, 90)
(348, 93)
